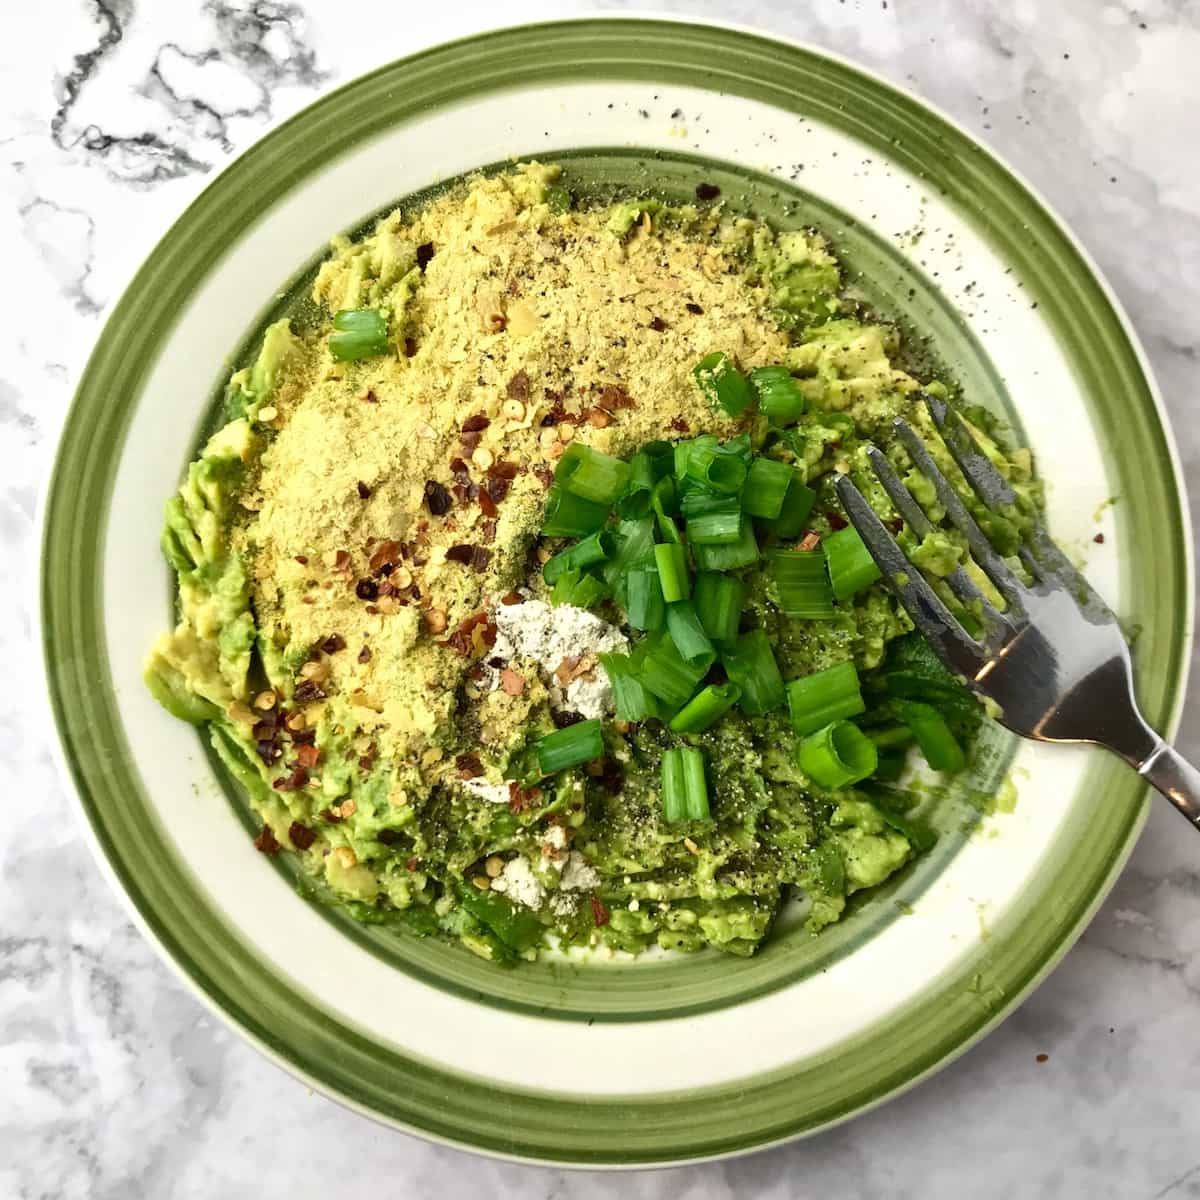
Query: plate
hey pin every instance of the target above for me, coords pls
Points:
(669, 1059)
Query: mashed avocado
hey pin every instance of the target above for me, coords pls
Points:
(363, 626)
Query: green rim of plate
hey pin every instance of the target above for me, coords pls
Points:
(376, 1078)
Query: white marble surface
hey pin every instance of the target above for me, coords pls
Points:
(113, 1081)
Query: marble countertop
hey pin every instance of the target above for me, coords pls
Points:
(114, 1082)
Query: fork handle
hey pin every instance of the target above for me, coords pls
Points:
(1167, 770)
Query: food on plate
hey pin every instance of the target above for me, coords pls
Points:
(514, 590)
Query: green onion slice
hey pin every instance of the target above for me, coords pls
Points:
(829, 695)
(837, 755)
(578, 743)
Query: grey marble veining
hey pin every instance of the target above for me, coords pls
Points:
(113, 1081)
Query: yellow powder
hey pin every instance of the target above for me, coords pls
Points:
(512, 288)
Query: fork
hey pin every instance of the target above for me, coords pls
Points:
(1054, 661)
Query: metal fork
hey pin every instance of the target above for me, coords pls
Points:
(1055, 660)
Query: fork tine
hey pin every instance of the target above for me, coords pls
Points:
(1042, 557)
(1009, 586)
(990, 486)
(963, 586)
(957, 649)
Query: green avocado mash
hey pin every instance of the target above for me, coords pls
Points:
(515, 593)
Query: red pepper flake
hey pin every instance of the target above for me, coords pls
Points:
(613, 396)
(330, 817)
(366, 589)
(519, 798)
(460, 553)
(1099, 539)
(290, 783)
(384, 558)
(437, 499)
(364, 492)
(389, 837)
(301, 836)
(341, 560)
(411, 864)
(480, 557)
(462, 640)
(680, 425)
(518, 385)
(265, 843)
(410, 347)
(511, 598)
(707, 191)
(503, 469)
(476, 423)
(497, 489)
(836, 520)
(308, 756)
(693, 308)
(370, 397)
(468, 442)
(308, 690)
(424, 254)
(658, 324)
(469, 766)
(545, 476)
(333, 643)
(810, 541)
(1042, 1058)
(302, 559)
(599, 913)
(512, 682)
(487, 503)
(364, 655)
(489, 532)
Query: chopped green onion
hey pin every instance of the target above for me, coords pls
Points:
(706, 708)
(731, 556)
(662, 458)
(801, 584)
(719, 600)
(751, 665)
(578, 743)
(779, 395)
(683, 454)
(891, 737)
(798, 502)
(688, 635)
(665, 504)
(594, 548)
(837, 756)
(699, 503)
(851, 567)
(630, 699)
(685, 791)
(767, 483)
(938, 745)
(635, 500)
(634, 545)
(671, 560)
(564, 586)
(578, 589)
(571, 516)
(716, 467)
(588, 473)
(723, 383)
(742, 447)
(715, 528)
(644, 606)
(829, 695)
(358, 333)
(667, 673)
